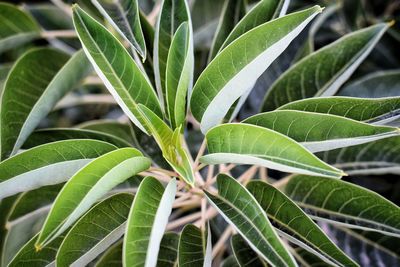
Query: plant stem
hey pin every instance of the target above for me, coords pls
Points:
(220, 245)
(58, 34)
(184, 220)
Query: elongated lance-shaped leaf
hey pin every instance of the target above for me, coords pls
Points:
(88, 185)
(168, 254)
(343, 203)
(125, 18)
(244, 254)
(44, 136)
(377, 111)
(321, 132)
(231, 14)
(179, 74)
(17, 27)
(377, 84)
(104, 223)
(295, 225)
(194, 247)
(172, 14)
(250, 144)
(33, 87)
(170, 143)
(241, 63)
(262, 12)
(48, 164)
(324, 71)
(239, 208)
(147, 221)
(112, 257)
(122, 77)
(230, 261)
(379, 157)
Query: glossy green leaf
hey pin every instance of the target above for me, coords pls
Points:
(295, 225)
(147, 221)
(235, 70)
(230, 261)
(250, 144)
(33, 87)
(44, 136)
(16, 28)
(6, 205)
(125, 18)
(98, 229)
(122, 77)
(172, 14)
(343, 203)
(244, 254)
(88, 185)
(377, 111)
(168, 254)
(239, 208)
(113, 127)
(112, 257)
(324, 71)
(179, 74)
(48, 164)
(376, 84)
(321, 132)
(194, 247)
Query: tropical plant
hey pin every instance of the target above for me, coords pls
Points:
(125, 138)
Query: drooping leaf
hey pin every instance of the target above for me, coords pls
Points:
(321, 132)
(125, 18)
(194, 247)
(179, 74)
(239, 208)
(244, 254)
(295, 225)
(343, 203)
(48, 164)
(250, 144)
(112, 257)
(172, 14)
(112, 127)
(376, 84)
(88, 185)
(33, 87)
(16, 28)
(324, 71)
(377, 111)
(98, 229)
(44, 136)
(147, 221)
(122, 77)
(168, 254)
(234, 71)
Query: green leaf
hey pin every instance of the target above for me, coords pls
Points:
(179, 74)
(170, 143)
(378, 111)
(379, 157)
(235, 70)
(47, 164)
(172, 14)
(124, 16)
(377, 84)
(88, 185)
(168, 254)
(44, 136)
(321, 132)
(244, 254)
(230, 261)
(33, 87)
(295, 225)
(343, 203)
(324, 71)
(250, 144)
(122, 77)
(16, 28)
(194, 247)
(112, 257)
(147, 221)
(98, 229)
(239, 208)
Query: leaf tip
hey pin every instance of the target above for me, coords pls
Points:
(391, 23)
(38, 247)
